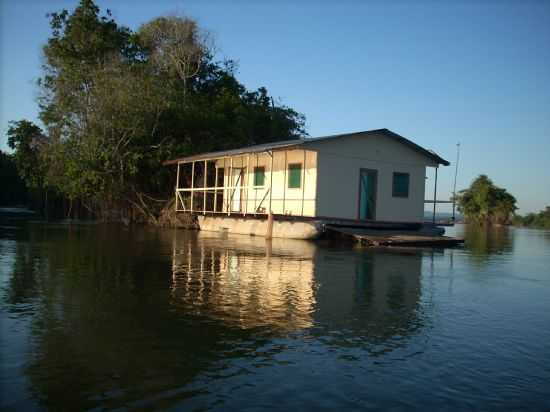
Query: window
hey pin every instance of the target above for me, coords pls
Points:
(259, 176)
(294, 175)
(400, 185)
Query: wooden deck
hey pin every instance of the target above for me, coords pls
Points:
(416, 238)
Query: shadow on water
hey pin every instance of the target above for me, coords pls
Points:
(124, 317)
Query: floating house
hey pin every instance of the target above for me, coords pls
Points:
(365, 178)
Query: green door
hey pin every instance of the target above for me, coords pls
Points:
(367, 194)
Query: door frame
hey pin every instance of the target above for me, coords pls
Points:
(375, 172)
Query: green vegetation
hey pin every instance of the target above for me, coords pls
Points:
(485, 203)
(14, 192)
(540, 220)
(116, 103)
(27, 141)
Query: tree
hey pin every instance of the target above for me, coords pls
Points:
(117, 103)
(485, 203)
(28, 142)
(175, 44)
(14, 191)
(540, 220)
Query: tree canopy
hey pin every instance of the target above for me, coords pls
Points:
(13, 188)
(27, 140)
(116, 103)
(484, 202)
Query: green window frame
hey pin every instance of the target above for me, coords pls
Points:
(259, 176)
(294, 175)
(401, 182)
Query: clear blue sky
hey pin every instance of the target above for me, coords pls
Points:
(436, 72)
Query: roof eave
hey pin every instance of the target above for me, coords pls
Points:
(230, 153)
(302, 142)
(439, 160)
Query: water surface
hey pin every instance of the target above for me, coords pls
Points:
(102, 317)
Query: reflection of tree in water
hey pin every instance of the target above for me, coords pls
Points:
(372, 299)
(484, 241)
(103, 331)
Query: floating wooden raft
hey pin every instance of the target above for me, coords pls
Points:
(393, 238)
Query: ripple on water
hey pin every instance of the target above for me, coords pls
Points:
(147, 319)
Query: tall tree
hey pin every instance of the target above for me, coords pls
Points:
(116, 103)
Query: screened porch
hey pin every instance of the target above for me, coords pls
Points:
(281, 181)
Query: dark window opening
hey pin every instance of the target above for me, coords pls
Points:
(259, 176)
(294, 175)
(400, 185)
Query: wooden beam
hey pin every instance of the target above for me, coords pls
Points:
(247, 182)
(254, 188)
(177, 185)
(204, 185)
(303, 181)
(192, 184)
(435, 194)
(271, 183)
(230, 198)
(215, 190)
(284, 183)
(224, 187)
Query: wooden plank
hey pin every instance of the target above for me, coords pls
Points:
(392, 238)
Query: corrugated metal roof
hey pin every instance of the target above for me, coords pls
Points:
(305, 142)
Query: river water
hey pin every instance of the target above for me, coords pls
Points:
(99, 317)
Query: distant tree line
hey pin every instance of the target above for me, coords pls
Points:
(116, 103)
(540, 220)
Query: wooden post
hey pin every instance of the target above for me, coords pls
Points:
(247, 182)
(204, 185)
(255, 191)
(229, 205)
(177, 184)
(435, 194)
(224, 186)
(215, 188)
(454, 184)
(303, 181)
(284, 184)
(271, 182)
(269, 230)
(192, 184)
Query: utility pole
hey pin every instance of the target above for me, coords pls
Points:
(454, 185)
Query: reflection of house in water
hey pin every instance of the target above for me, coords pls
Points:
(243, 282)
(292, 285)
(371, 296)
